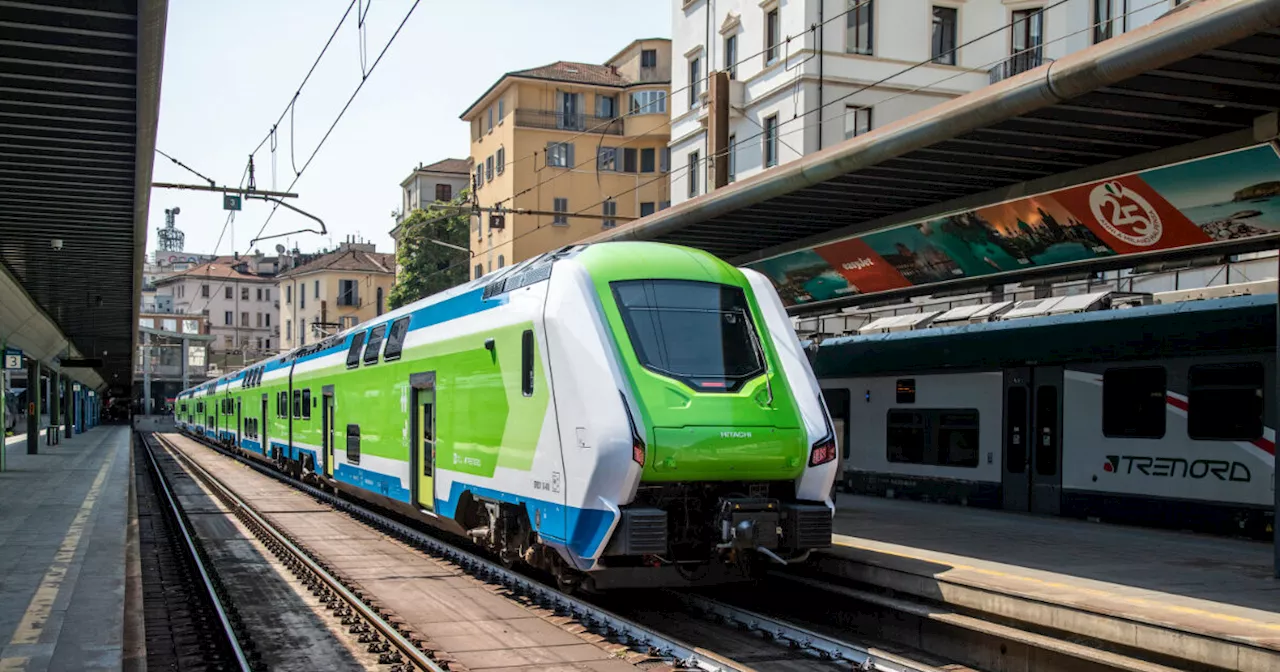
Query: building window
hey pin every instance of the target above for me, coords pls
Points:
(695, 81)
(771, 141)
(1104, 20)
(607, 159)
(648, 157)
(266, 294)
(444, 192)
(490, 113)
(378, 305)
(664, 160)
(629, 160)
(937, 437)
(502, 109)
(488, 169)
(244, 318)
(649, 58)
(302, 296)
(858, 27)
(244, 293)
(731, 56)
(288, 294)
(288, 329)
(560, 205)
(732, 152)
(479, 271)
(1133, 402)
(610, 209)
(479, 178)
(266, 319)
(857, 120)
(229, 318)
(229, 293)
(502, 261)
(663, 205)
(648, 102)
(560, 154)
(1225, 402)
(259, 342)
(204, 291)
(944, 35)
(606, 106)
(259, 320)
(693, 174)
(349, 293)
(646, 209)
(502, 160)
(259, 293)
(302, 332)
(1027, 33)
(772, 37)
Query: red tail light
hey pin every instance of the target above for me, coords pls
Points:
(823, 451)
(637, 443)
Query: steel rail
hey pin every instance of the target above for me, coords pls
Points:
(406, 648)
(188, 538)
(816, 644)
(594, 618)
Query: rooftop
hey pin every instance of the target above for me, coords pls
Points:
(221, 268)
(347, 258)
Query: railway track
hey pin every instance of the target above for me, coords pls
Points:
(189, 622)
(750, 630)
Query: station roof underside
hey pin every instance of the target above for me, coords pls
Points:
(1205, 78)
(79, 95)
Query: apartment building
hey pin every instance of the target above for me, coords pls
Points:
(579, 146)
(796, 89)
(439, 182)
(236, 297)
(333, 292)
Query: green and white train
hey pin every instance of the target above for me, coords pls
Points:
(631, 413)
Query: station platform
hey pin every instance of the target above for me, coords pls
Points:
(64, 515)
(1201, 599)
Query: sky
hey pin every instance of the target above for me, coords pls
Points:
(231, 67)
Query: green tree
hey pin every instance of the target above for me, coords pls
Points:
(425, 267)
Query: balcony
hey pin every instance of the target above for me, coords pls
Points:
(552, 120)
(1018, 64)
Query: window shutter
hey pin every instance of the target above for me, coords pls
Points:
(569, 153)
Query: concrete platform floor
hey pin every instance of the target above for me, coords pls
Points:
(1198, 597)
(63, 519)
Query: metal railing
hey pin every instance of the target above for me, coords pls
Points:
(551, 119)
(1018, 64)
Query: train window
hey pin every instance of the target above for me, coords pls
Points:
(906, 436)
(395, 339)
(838, 406)
(297, 403)
(374, 345)
(306, 403)
(353, 355)
(1046, 451)
(1133, 402)
(957, 442)
(1225, 402)
(353, 444)
(526, 363)
(906, 390)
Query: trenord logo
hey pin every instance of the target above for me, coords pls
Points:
(1176, 467)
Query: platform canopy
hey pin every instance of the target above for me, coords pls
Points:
(1200, 81)
(79, 96)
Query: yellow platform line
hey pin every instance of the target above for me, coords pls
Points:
(41, 605)
(850, 542)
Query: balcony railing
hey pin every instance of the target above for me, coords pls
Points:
(568, 122)
(1018, 64)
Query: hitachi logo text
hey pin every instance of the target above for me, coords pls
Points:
(735, 435)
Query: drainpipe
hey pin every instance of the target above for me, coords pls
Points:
(822, 30)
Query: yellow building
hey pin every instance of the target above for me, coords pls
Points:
(333, 292)
(570, 139)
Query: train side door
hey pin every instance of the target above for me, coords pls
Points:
(1016, 480)
(326, 429)
(239, 438)
(1046, 445)
(422, 428)
(262, 432)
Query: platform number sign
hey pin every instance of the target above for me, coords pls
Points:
(12, 359)
(230, 202)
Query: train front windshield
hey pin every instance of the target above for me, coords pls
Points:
(698, 332)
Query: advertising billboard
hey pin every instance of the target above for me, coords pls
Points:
(1222, 197)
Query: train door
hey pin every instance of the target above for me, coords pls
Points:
(326, 430)
(1032, 472)
(422, 428)
(239, 437)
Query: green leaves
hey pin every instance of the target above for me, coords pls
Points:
(425, 267)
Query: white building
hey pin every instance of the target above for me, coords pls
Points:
(796, 89)
(237, 297)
